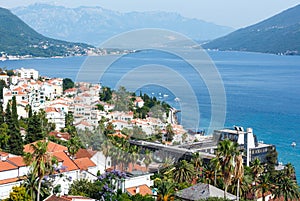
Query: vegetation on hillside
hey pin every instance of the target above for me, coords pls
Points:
(279, 34)
(17, 38)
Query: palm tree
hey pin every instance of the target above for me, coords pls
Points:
(106, 148)
(226, 152)
(215, 165)
(165, 191)
(238, 172)
(184, 172)
(257, 169)
(197, 161)
(289, 171)
(74, 144)
(286, 187)
(264, 184)
(148, 158)
(41, 162)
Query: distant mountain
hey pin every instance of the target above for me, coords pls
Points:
(279, 34)
(94, 25)
(17, 38)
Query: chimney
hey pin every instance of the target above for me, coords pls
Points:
(137, 190)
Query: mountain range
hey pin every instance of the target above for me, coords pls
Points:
(279, 34)
(94, 25)
(18, 39)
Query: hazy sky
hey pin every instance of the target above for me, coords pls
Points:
(234, 13)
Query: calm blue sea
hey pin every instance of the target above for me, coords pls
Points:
(262, 90)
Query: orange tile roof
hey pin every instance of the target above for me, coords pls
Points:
(52, 147)
(55, 198)
(84, 163)
(17, 161)
(67, 162)
(60, 135)
(51, 109)
(143, 190)
(5, 166)
(84, 153)
(7, 181)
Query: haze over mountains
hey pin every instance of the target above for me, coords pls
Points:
(94, 25)
(279, 34)
(17, 38)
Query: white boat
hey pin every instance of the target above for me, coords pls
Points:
(166, 95)
(177, 99)
(293, 144)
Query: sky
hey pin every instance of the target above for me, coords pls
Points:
(233, 13)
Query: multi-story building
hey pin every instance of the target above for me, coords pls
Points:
(27, 73)
(247, 142)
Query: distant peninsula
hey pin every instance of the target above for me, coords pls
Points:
(279, 34)
(18, 40)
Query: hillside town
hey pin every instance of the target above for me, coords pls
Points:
(96, 144)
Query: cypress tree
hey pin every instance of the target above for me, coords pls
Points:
(15, 141)
(34, 129)
(1, 114)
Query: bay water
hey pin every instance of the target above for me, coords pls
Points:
(262, 90)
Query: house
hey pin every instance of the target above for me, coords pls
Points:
(202, 191)
(70, 92)
(64, 136)
(97, 157)
(27, 73)
(12, 171)
(139, 102)
(142, 190)
(56, 116)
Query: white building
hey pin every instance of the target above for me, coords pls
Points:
(28, 73)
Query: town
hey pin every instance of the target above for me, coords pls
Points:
(95, 143)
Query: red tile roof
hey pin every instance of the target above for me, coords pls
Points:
(67, 162)
(85, 153)
(7, 181)
(17, 161)
(84, 163)
(6, 166)
(143, 190)
(52, 147)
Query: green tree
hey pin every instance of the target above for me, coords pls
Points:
(169, 133)
(15, 141)
(73, 145)
(18, 194)
(4, 137)
(272, 159)
(148, 158)
(41, 162)
(165, 191)
(106, 148)
(122, 100)
(68, 84)
(34, 129)
(184, 172)
(2, 85)
(226, 152)
(286, 187)
(264, 184)
(105, 94)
